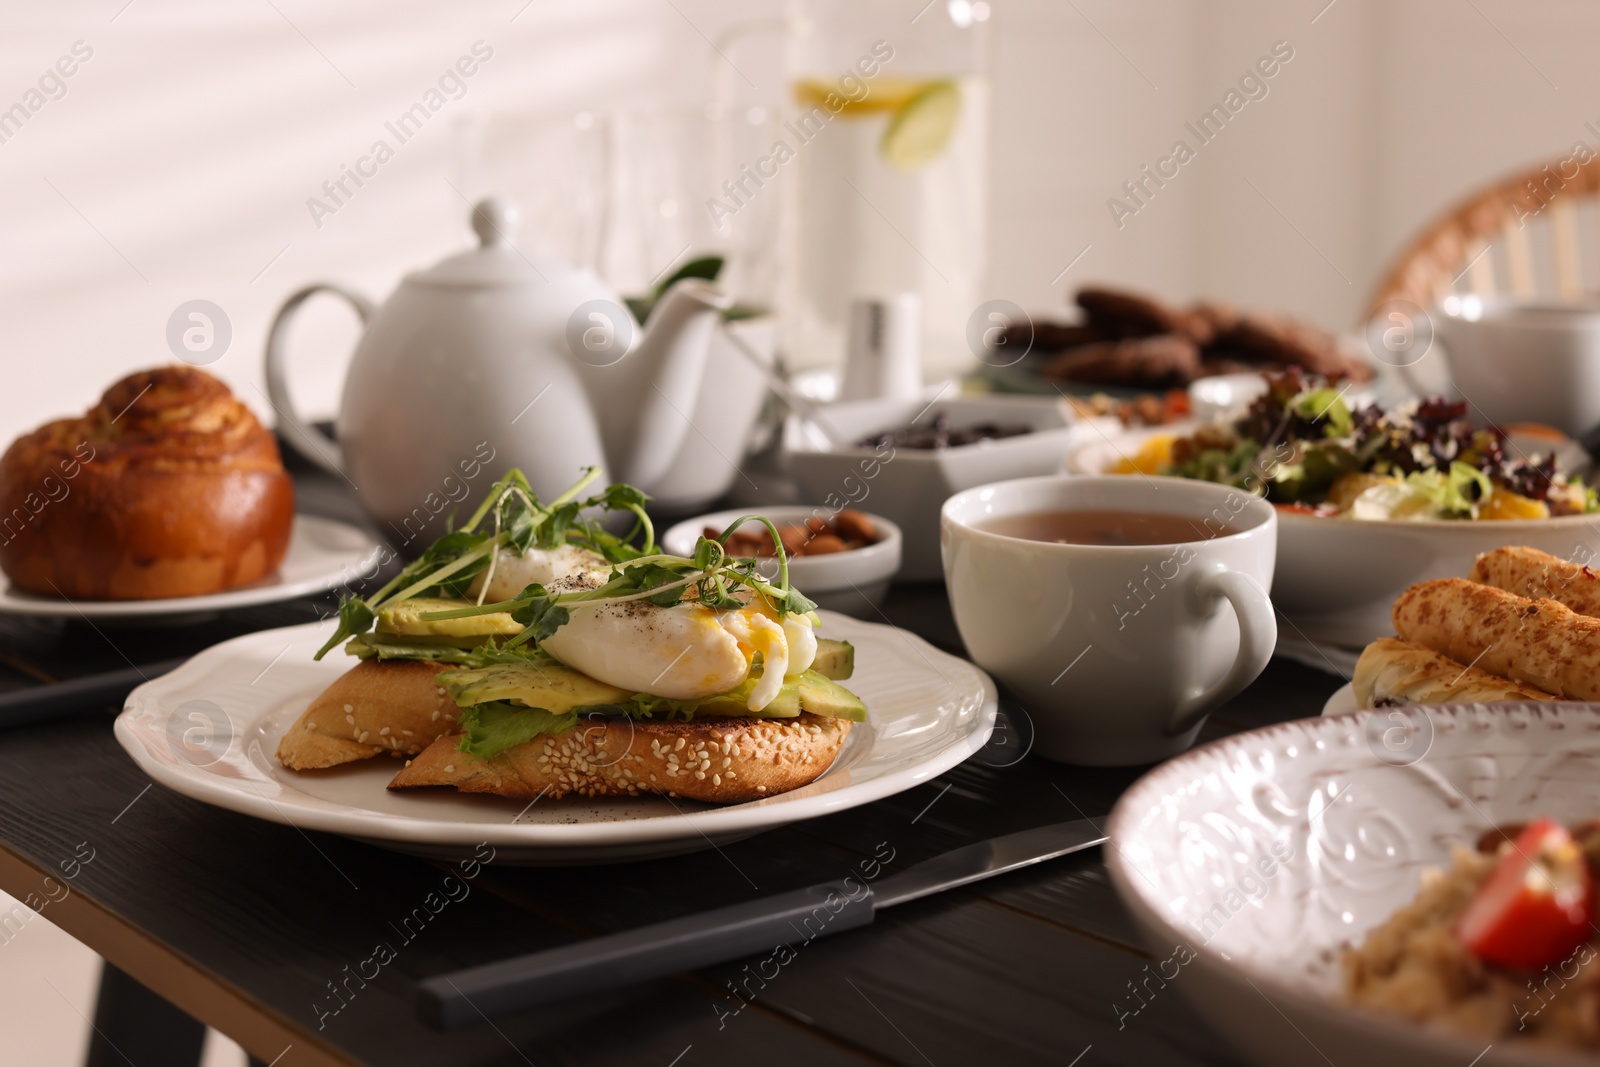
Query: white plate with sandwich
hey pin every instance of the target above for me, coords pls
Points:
(210, 730)
(562, 694)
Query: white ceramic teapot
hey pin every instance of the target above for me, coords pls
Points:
(495, 359)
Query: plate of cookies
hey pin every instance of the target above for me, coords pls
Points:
(1134, 355)
(166, 499)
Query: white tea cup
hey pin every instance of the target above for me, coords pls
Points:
(1116, 652)
(1522, 361)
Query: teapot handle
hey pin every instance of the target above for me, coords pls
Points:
(305, 438)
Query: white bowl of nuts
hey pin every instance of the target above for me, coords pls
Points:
(844, 560)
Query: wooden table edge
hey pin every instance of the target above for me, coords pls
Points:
(260, 1030)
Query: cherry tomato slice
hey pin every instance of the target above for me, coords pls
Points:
(1536, 906)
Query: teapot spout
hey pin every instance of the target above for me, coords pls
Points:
(661, 377)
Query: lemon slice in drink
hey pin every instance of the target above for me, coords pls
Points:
(922, 126)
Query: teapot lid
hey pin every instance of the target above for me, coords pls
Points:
(497, 260)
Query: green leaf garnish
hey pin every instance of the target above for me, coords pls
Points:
(512, 517)
(489, 729)
(355, 617)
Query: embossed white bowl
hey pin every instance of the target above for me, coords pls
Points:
(1267, 853)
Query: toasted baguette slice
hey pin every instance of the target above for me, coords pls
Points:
(394, 706)
(1392, 672)
(719, 760)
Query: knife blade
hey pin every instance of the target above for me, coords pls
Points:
(452, 1000)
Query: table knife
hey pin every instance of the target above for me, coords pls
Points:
(452, 1000)
(76, 696)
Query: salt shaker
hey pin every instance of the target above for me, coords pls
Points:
(883, 350)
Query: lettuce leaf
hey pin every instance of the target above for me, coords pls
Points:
(490, 729)
(1457, 494)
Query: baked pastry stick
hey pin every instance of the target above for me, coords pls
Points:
(1394, 673)
(392, 706)
(1540, 643)
(718, 760)
(1531, 573)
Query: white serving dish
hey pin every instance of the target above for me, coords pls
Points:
(853, 582)
(1337, 579)
(908, 486)
(209, 730)
(1343, 701)
(1189, 840)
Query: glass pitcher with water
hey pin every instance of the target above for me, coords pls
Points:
(881, 162)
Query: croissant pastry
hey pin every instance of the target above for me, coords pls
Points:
(168, 487)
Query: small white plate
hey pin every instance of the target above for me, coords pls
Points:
(322, 554)
(1342, 702)
(210, 728)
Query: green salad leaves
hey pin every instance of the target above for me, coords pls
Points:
(1302, 443)
(516, 520)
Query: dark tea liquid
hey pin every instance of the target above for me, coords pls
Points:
(1106, 527)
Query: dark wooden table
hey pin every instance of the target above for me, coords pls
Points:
(250, 927)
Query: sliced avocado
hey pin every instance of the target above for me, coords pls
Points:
(551, 686)
(430, 640)
(835, 659)
(406, 618)
(786, 705)
(821, 695)
(395, 646)
(732, 704)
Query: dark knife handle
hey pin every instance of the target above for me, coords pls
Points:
(452, 1000)
(75, 697)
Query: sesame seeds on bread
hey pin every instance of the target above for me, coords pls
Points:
(716, 760)
(392, 706)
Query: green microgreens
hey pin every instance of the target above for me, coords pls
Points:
(659, 578)
(520, 522)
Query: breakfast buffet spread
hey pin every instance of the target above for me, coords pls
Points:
(541, 644)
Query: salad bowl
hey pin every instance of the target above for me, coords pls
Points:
(1337, 578)
(1338, 575)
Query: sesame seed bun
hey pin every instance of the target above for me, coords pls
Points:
(717, 760)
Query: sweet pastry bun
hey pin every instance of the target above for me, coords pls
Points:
(168, 487)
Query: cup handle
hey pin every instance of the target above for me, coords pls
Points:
(304, 438)
(1258, 636)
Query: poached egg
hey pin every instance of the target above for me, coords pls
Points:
(684, 652)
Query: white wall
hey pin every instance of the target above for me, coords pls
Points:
(178, 163)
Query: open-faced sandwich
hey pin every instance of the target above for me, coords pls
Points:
(533, 653)
(1305, 448)
(1524, 626)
